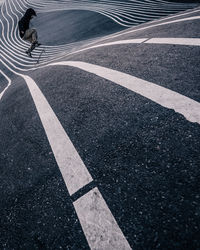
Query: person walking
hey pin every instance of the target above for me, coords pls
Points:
(26, 33)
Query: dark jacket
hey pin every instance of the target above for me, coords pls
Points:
(25, 20)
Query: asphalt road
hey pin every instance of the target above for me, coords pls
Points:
(105, 154)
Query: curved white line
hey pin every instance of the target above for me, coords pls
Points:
(9, 83)
(52, 52)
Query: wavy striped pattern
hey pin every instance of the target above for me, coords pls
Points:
(124, 13)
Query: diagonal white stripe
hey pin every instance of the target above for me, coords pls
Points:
(71, 166)
(178, 41)
(98, 223)
(105, 232)
(189, 108)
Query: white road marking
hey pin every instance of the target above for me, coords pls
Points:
(110, 236)
(98, 223)
(167, 40)
(53, 53)
(104, 233)
(178, 41)
(139, 40)
(9, 83)
(121, 12)
(71, 166)
(189, 108)
(150, 25)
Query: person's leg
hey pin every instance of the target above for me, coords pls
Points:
(34, 36)
(31, 36)
(28, 35)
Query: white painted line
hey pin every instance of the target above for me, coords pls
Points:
(9, 83)
(189, 108)
(129, 41)
(70, 164)
(131, 30)
(178, 41)
(183, 20)
(150, 25)
(99, 225)
(13, 45)
(104, 232)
